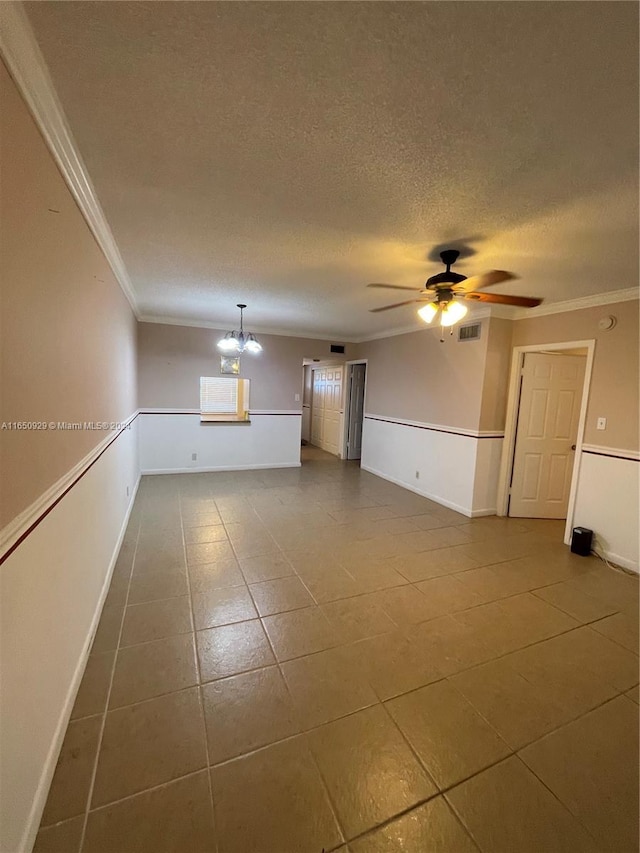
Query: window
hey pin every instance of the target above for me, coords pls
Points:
(223, 399)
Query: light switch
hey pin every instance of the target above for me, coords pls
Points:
(297, 398)
(602, 423)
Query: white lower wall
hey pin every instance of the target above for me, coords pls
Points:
(168, 442)
(485, 487)
(306, 423)
(457, 470)
(52, 588)
(607, 503)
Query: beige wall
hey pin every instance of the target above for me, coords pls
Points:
(496, 376)
(416, 377)
(614, 383)
(68, 333)
(465, 385)
(171, 360)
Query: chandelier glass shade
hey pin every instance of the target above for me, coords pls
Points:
(240, 341)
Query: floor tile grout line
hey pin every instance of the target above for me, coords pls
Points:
(460, 818)
(482, 663)
(260, 616)
(537, 642)
(414, 585)
(555, 796)
(108, 696)
(301, 733)
(199, 677)
(304, 734)
(569, 721)
(412, 749)
(452, 615)
(332, 806)
(440, 791)
(156, 601)
(139, 793)
(155, 696)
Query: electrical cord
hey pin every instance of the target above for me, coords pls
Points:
(613, 566)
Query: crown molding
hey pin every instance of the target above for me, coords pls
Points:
(221, 326)
(607, 298)
(20, 50)
(505, 312)
(26, 64)
(420, 326)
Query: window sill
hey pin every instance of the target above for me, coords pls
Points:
(223, 419)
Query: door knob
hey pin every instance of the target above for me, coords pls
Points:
(573, 447)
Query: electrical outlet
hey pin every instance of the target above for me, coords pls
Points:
(417, 475)
(194, 456)
(602, 423)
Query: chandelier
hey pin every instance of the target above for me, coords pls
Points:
(237, 341)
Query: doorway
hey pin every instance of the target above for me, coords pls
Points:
(326, 407)
(546, 414)
(354, 409)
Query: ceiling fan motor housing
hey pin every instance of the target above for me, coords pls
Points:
(448, 257)
(447, 277)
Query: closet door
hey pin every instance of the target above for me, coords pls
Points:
(333, 404)
(317, 407)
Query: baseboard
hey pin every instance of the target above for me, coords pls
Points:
(449, 504)
(210, 470)
(478, 513)
(617, 560)
(40, 799)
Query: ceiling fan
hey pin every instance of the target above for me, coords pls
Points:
(443, 292)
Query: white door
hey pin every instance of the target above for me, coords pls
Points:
(332, 410)
(550, 398)
(317, 406)
(356, 411)
(307, 394)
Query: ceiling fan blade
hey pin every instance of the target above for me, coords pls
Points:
(502, 299)
(397, 305)
(478, 282)
(395, 287)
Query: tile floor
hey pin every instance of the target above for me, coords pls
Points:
(292, 661)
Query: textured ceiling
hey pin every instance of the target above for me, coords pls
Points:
(285, 154)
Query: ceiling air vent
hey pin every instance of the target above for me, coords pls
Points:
(337, 347)
(470, 332)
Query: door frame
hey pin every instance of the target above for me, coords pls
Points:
(511, 423)
(346, 409)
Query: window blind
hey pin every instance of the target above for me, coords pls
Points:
(218, 396)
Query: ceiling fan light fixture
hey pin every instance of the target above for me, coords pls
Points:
(428, 312)
(452, 312)
(237, 341)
